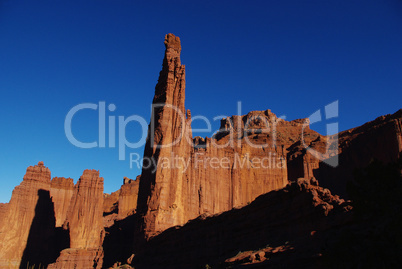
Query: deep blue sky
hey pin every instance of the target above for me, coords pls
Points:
(292, 57)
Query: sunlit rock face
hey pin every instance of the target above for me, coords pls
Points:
(84, 222)
(61, 191)
(128, 197)
(250, 155)
(192, 176)
(27, 216)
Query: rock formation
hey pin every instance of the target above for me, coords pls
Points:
(31, 232)
(61, 191)
(86, 230)
(111, 202)
(71, 258)
(291, 226)
(110, 208)
(380, 139)
(28, 217)
(3, 211)
(250, 155)
(160, 191)
(245, 159)
(128, 197)
(85, 224)
(199, 201)
(121, 203)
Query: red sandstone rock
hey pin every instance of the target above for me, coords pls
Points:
(172, 194)
(111, 202)
(273, 230)
(85, 224)
(3, 211)
(61, 191)
(18, 215)
(84, 217)
(72, 258)
(161, 191)
(380, 139)
(110, 208)
(191, 182)
(128, 197)
(245, 159)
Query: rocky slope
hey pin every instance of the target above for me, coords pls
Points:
(290, 227)
(380, 139)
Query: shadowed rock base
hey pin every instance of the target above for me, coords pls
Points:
(295, 222)
(44, 240)
(79, 258)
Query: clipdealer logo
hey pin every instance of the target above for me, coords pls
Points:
(107, 129)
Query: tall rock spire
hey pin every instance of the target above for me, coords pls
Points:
(171, 83)
(160, 203)
(181, 178)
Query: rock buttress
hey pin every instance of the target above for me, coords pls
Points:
(85, 224)
(28, 221)
(61, 191)
(128, 197)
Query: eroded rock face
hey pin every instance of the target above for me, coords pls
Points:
(61, 191)
(111, 202)
(85, 224)
(84, 217)
(245, 159)
(250, 155)
(163, 207)
(380, 139)
(191, 179)
(29, 214)
(128, 197)
(3, 211)
(72, 258)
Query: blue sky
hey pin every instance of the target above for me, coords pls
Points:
(293, 57)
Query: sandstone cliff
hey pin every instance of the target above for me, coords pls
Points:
(61, 191)
(111, 202)
(85, 224)
(128, 197)
(380, 139)
(110, 208)
(245, 159)
(250, 155)
(28, 221)
(244, 169)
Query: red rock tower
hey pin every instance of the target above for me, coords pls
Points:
(160, 203)
(85, 225)
(180, 183)
(29, 200)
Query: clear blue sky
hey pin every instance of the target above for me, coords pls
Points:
(292, 57)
